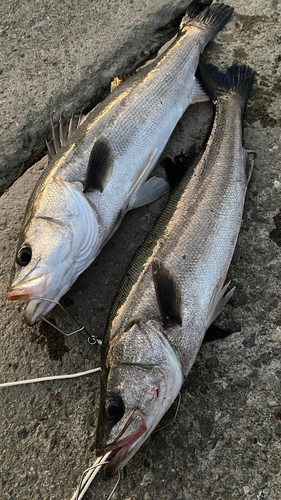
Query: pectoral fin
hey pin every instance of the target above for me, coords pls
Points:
(153, 189)
(100, 166)
(167, 293)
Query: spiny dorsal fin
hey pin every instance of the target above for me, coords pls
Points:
(167, 293)
(100, 166)
(61, 132)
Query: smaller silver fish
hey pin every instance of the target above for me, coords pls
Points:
(163, 309)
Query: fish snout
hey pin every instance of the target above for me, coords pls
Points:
(14, 294)
(25, 289)
(34, 290)
(121, 446)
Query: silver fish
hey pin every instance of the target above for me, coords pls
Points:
(165, 305)
(101, 171)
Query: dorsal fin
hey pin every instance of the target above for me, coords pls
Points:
(100, 166)
(167, 293)
(61, 132)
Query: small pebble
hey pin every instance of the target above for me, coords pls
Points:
(249, 341)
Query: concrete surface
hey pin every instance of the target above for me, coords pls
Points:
(225, 442)
(59, 58)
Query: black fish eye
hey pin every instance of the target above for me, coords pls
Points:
(113, 409)
(24, 256)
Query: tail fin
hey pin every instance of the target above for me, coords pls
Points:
(211, 18)
(237, 79)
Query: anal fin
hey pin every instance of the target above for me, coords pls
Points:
(152, 189)
(218, 300)
(199, 94)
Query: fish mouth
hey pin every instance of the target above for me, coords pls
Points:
(32, 288)
(36, 308)
(24, 290)
(120, 448)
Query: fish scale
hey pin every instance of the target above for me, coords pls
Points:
(212, 191)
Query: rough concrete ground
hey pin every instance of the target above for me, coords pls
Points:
(225, 442)
(59, 58)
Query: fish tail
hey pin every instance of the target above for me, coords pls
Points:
(237, 80)
(210, 19)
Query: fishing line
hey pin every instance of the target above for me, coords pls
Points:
(174, 417)
(54, 377)
(91, 339)
(89, 474)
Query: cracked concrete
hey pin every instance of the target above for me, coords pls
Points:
(225, 442)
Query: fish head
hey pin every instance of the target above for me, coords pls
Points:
(56, 243)
(140, 380)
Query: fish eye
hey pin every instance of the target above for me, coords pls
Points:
(113, 409)
(24, 256)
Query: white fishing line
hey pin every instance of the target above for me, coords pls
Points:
(54, 377)
(88, 476)
(174, 417)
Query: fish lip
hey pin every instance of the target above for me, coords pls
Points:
(119, 448)
(33, 289)
(13, 294)
(31, 315)
(23, 290)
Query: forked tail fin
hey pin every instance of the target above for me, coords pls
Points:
(237, 80)
(210, 19)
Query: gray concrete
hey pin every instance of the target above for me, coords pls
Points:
(59, 58)
(225, 442)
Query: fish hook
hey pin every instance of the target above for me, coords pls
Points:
(91, 339)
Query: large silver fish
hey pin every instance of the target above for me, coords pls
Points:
(101, 171)
(165, 306)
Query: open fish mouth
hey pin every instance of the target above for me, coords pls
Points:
(120, 448)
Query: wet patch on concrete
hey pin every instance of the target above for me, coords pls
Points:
(239, 55)
(261, 99)
(275, 234)
(252, 24)
(54, 340)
